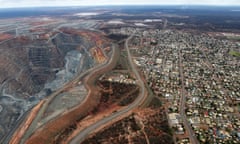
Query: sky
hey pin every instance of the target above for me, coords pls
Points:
(37, 3)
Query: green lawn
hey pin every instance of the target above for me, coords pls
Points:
(234, 53)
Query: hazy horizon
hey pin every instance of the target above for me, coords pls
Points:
(58, 3)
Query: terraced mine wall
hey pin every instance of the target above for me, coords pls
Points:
(30, 70)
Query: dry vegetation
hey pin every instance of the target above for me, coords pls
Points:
(148, 125)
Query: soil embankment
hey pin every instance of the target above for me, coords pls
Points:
(51, 130)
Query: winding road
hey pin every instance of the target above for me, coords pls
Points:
(86, 132)
(95, 70)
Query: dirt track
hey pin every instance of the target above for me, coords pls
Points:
(47, 133)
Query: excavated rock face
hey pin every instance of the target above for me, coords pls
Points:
(14, 67)
(26, 66)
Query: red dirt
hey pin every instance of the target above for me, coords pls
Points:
(5, 37)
